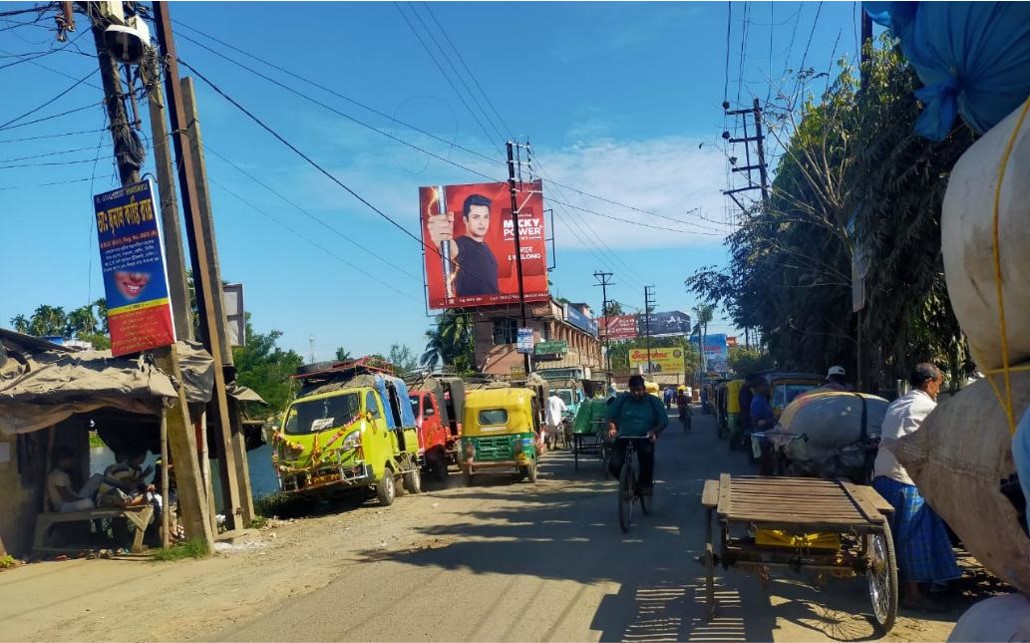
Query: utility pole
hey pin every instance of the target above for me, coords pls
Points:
(181, 438)
(649, 304)
(603, 277)
(759, 140)
(197, 242)
(518, 241)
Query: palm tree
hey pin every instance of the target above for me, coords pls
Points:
(705, 313)
(48, 321)
(20, 323)
(342, 354)
(101, 306)
(451, 342)
(81, 321)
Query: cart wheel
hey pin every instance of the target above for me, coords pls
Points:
(883, 578)
(577, 442)
(625, 498)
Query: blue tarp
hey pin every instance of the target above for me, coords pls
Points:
(1021, 456)
(972, 57)
(407, 414)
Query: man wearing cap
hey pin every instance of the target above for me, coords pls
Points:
(836, 381)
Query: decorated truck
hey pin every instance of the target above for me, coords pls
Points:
(438, 404)
(351, 430)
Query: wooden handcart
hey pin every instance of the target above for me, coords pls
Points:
(593, 442)
(832, 527)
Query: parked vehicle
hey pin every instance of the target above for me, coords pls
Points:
(500, 432)
(784, 387)
(351, 430)
(438, 404)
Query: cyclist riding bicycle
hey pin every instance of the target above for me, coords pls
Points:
(635, 414)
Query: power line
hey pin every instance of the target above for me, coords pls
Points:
(646, 225)
(311, 241)
(461, 78)
(46, 154)
(49, 136)
(440, 67)
(307, 213)
(36, 56)
(48, 101)
(46, 164)
(52, 183)
(51, 117)
(38, 9)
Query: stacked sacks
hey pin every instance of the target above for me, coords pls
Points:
(967, 243)
(958, 458)
(836, 426)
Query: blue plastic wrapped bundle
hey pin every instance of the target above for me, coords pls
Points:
(972, 57)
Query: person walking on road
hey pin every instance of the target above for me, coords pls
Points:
(925, 555)
(635, 414)
(555, 413)
(762, 416)
(667, 395)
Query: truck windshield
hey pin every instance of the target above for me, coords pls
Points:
(566, 396)
(318, 415)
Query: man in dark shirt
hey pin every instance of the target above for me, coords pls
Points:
(738, 439)
(477, 266)
(636, 414)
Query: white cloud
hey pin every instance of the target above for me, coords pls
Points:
(668, 176)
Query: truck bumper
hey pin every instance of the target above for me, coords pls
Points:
(356, 476)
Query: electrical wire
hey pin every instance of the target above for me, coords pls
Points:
(84, 179)
(48, 101)
(36, 56)
(49, 136)
(296, 206)
(646, 225)
(46, 154)
(51, 117)
(440, 67)
(299, 234)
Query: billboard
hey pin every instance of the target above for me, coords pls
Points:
(577, 318)
(139, 312)
(663, 360)
(619, 327)
(716, 353)
(669, 323)
(469, 243)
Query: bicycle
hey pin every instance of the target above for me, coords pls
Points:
(629, 484)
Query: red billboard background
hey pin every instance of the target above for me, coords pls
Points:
(500, 239)
(619, 327)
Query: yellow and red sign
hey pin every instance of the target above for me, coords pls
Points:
(662, 360)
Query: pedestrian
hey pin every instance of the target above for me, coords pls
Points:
(762, 416)
(836, 380)
(667, 394)
(924, 553)
(555, 413)
(744, 398)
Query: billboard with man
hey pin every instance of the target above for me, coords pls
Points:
(469, 240)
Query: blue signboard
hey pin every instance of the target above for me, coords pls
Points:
(577, 318)
(132, 259)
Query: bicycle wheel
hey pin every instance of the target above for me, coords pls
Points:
(626, 493)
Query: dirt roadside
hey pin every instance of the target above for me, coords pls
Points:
(498, 561)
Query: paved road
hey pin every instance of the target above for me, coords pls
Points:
(506, 561)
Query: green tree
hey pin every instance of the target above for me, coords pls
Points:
(20, 324)
(48, 321)
(614, 309)
(266, 368)
(403, 358)
(744, 361)
(451, 343)
(81, 322)
(342, 354)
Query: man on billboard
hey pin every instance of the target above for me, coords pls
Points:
(477, 266)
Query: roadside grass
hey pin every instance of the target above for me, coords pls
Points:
(8, 561)
(194, 548)
(280, 505)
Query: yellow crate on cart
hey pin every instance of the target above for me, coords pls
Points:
(780, 538)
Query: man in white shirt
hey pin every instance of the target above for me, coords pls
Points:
(555, 412)
(59, 485)
(922, 545)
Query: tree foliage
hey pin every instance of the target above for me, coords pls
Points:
(451, 343)
(854, 181)
(403, 358)
(265, 367)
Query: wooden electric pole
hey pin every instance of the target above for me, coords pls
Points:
(197, 242)
(603, 278)
(181, 439)
(518, 242)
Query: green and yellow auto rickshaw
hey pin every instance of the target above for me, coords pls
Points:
(733, 407)
(500, 433)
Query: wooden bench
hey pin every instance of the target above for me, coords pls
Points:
(139, 516)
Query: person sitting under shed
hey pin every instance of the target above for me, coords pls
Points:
(60, 493)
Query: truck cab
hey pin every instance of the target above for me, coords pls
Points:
(349, 433)
(438, 403)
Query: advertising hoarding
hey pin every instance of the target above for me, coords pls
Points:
(716, 353)
(469, 242)
(663, 360)
(139, 311)
(524, 344)
(669, 323)
(619, 327)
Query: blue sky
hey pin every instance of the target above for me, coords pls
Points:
(620, 100)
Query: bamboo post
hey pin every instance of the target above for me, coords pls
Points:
(165, 504)
(205, 464)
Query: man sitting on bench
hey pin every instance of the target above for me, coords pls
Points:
(59, 485)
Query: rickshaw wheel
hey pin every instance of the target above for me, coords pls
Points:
(883, 578)
(386, 489)
(710, 601)
(577, 442)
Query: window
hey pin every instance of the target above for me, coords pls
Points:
(785, 393)
(505, 331)
(493, 417)
(321, 415)
(414, 404)
(371, 404)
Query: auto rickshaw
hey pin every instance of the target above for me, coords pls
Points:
(733, 406)
(500, 433)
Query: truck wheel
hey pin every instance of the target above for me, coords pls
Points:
(386, 489)
(531, 472)
(440, 469)
(413, 481)
(468, 477)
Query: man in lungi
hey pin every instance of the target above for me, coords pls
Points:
(924, 553)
